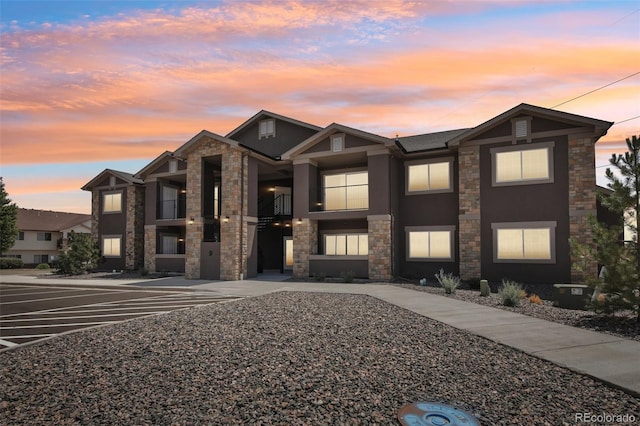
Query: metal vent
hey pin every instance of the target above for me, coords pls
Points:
(521, 128)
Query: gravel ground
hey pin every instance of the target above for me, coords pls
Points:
(288, 358)
(623, 325)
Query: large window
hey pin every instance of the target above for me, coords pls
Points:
(430, 243)
(346, 191)
(112, 202)
(111, 246)
(44, 236)
(517, 165)
(524, 242)
(40, 258)
(346, 244)
(432, 176)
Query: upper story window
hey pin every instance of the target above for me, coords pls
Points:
(518, 165)
(44, 236)
(112, 202)
(346, 191)
(429, 243)
(112, 181)
(267, 128)
(173, 166)
(337, 142)
(430, 176)
(529, 242)
(20, 236)
(346, 244)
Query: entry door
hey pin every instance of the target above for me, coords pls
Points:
(288, 253)
(169, 202)
(282, 201)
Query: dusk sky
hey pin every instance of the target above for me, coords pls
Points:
(89, 85)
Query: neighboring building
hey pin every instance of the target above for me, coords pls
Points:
(498, 200)
(44, 233)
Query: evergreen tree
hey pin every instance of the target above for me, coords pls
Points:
(81, 256)
(620, 284)
(8, 220)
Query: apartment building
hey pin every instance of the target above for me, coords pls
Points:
(497, 200)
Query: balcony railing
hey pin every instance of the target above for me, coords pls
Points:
(172, 209)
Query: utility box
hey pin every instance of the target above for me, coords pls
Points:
(571, 296)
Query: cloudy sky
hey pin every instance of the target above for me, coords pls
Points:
(89, 85)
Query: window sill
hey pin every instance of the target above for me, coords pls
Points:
(338, 257)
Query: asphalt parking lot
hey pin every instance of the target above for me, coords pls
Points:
(30, 313)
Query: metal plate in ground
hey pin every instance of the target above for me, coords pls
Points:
(434, 414)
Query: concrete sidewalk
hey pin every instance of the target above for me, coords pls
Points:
(613, 360)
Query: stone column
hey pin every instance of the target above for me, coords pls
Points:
(95, 215)
(380, 247)
(582, 197)
(233, 234)
(134, 239)
(150, 248)
(305, 243)
(469, 212)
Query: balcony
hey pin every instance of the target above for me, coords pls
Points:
(172, 209)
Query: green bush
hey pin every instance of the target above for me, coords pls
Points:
(348, 277)
(319, 277)
(43, 266)
(510, 293)
(82, 255)
(485, 290)
(448, 281)
(10, 263)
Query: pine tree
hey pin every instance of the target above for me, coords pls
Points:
(8, 220)
(620, 286)
(81, 256)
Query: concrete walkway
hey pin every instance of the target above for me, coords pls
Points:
(613, 360)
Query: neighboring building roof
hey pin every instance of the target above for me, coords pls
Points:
(428, 141)
(127, 177)
(599, 125)
(274, 115)
(46, 220)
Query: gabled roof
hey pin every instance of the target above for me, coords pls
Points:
(599, 125)
(266, 113)
(191, 143)
(45, 220)
(127, 177)
(329, 130)
(428, 141)
(153, 164)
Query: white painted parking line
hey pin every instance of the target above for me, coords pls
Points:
(57, 298)
(38, 292)
(7, 343)
(70, 310)
(30, 336)
(57, 325)
(84, 316)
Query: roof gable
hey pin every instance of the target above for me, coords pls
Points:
(261, 115)
(156, 164)
(128, 178)
(193, 143)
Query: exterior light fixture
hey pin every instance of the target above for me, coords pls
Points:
(276, 223)
(226, 219)
(272, 189)
(299, 221)
(191, 220)
(287, 225)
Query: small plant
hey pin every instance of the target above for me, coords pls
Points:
(485, 290)
(534, 298)
(347, 277)
(511, 293)
(423, 282)
(448, 281)
(10, 263)
(319, 277)
(43, 266)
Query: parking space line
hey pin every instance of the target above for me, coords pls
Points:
(30, 336)
(39, 292)
(7, 343)
(70, 311)
(57, 298)
(83, 316)
(57, 325)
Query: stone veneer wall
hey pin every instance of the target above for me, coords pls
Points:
(305, 243)
(469, 210)
(134, 243)
(380, 247)
(95, 215)
(582, 196)
(150, 248)
(231, 232)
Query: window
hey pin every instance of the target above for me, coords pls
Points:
(111, 246)
(524, 242)
(112, 202)
(112, 181)
(432, 177)
(337, 142)
(346, 191)
(346, 244)
(169, 244)
(514, 166)
(267, 128)
(430, 243)
(44, 236)
(40, 258)
(173, 166)
(20, 236)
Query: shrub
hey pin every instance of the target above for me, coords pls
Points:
(348, 277)
(423, 282)
(43, 266)
(80, 257)
(10, 263)
(448, 281)
(534, 298)
(319, 277)
(510, 292)
(485, 290)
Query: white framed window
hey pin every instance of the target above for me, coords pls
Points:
(44, 236)
(346, 191)
(40, 258)
(337, 142)
(267, 128)
(429, 243)
(429, 176)
(524, 242)
(112, 202)
(518, 165)
(173, 166)
(346, 244)
(112, 181)
(111, 245)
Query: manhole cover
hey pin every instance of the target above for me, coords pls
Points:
(434, 414)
